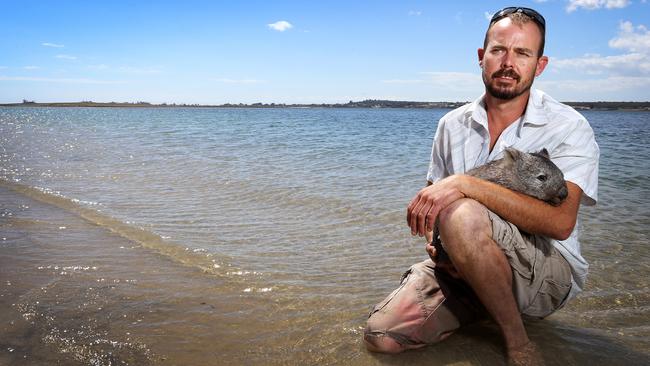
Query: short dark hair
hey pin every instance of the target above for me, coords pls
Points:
(520, 18)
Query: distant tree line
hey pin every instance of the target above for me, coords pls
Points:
(368, 103)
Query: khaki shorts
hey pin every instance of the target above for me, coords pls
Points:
(430, 305)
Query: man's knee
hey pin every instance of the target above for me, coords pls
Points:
(465, 228)
(466, 213)
(412, 316)
(392, 322)
(384, 330)
(403, 329)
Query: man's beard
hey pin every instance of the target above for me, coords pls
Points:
(503, 93)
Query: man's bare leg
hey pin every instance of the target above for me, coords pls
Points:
(466, 232)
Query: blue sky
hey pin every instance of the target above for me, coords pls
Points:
(214, 52)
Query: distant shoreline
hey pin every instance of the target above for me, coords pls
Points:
(600, 106)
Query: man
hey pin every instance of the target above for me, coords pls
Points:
(508, 254)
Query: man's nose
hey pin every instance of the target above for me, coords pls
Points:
(506, 60)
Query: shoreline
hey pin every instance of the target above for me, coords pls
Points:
(580, 106)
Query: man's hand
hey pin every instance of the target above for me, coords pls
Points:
(424, 208)
(528, 213)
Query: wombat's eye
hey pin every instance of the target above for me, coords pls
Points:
(541, 178)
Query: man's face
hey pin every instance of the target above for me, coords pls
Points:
(509, 61)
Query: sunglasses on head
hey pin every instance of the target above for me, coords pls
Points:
(537, 17)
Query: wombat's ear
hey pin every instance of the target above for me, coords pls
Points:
(510, 154)
(543, 152)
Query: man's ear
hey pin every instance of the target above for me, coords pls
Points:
(541, 65)
(481, 53)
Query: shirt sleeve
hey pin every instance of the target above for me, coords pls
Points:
(577, 156)
(437, 167)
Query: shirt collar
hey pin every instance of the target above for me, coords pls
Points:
(534, 110)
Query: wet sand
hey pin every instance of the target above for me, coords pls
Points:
(75, 293)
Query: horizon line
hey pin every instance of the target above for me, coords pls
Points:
(141, 102)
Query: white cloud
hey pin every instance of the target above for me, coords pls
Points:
(150, 70)
(488, 16)
(59, 80)
(432, 86)
(240, 81)
(138, 70)
(636, 62)
(437, 86)
(47, 44)
(280, 26)
(625, 76)
(30, 67)
(632, 39)
(450, 76)
(627, 64)
(415, 13)
(99, 67)
(403, 81)
(66, 57)
(596, 4)
(454, 85)
(609, 88)
(453, 80)
(616, 4)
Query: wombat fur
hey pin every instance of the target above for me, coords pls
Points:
(533, 174)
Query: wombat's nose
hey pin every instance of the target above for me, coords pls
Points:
(562, 193)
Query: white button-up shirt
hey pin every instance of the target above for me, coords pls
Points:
(462, 142)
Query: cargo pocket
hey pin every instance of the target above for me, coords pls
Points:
(518, 249)
(555, 287)
(548, 299)
(388, 298)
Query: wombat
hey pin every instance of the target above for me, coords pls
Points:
(533, 174)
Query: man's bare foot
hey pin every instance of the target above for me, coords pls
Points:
(525, 355)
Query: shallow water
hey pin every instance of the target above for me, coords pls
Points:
(247, 236)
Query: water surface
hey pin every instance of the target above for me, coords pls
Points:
(263, 236)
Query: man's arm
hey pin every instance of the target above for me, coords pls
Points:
(527, 213)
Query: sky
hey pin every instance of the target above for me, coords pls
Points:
(216, 52)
